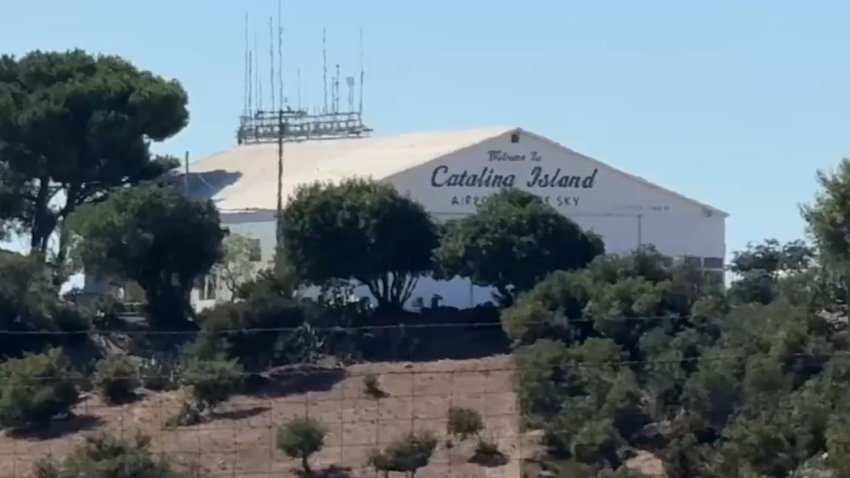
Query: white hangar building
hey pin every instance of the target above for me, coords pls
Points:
(449, 173)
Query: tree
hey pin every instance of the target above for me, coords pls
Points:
(464, 423)
(762, 267)
(156, 237)
(301, 438)
(30, 302)
(74, 126)
(360, 230)
(512, 242)
(828, 219)
(236, 267)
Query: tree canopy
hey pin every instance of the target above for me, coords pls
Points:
(155, 236)
(512, 242)
(362, 230)
(74, 125)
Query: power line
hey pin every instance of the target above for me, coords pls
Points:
(448, 325)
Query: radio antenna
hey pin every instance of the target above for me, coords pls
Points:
(362, 73)
(250, 83)
(336, 90)
(298, 79)
(280, 53)
(271, 61)
(257, 72)
(325, 66)
(246, 61)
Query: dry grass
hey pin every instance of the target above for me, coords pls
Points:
(239, 441)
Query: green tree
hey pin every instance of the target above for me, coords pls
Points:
(72, 127)
(360, 230)
(828, 219)
(464, 423)
(155, 236)
(301, 438)
(236, 267)
(30, 302)
(513, 241)
(762, 267)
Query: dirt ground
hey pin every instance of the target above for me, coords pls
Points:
(240, 440)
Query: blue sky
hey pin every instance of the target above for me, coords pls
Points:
(736, 104)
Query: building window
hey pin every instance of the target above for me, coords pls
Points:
(256, 252)
(692, 261)
(714, 277)
(514, 137)
(209, 288)
(712, 262)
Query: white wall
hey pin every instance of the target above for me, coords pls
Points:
(624, 210)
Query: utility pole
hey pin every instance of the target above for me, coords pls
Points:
(279, 218)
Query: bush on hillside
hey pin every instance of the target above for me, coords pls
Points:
(464, 423)
(211, 382)
(35, 389)
(405, 455)
(116, 378)
(109, 456)
(372, 387)
(301, 438)
(250, 331)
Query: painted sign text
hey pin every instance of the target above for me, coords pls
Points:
(488, 177)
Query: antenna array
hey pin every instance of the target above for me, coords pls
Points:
(280, 122)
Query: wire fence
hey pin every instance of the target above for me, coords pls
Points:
(239, 439)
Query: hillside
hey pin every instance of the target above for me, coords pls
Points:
(240, 442)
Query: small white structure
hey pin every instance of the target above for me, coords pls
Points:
(450, 173)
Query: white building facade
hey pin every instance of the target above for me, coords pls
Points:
(450, 173)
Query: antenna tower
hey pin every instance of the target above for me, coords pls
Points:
(271, 61)
(362, 73)
(280, 123)
(257, 72)
(280, 55)
(298, 79)
(246, 61)
(336, 90)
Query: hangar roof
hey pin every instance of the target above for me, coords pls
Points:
(244, 178)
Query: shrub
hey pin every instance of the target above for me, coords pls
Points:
(115, 378)
(406, 455)
(224, 329)
(158, 376)
(107, 456)
(300, 438)
(211, 381)
(372, 387)
(35, 389)
(464, 423)
(486, 452)
(188, 415)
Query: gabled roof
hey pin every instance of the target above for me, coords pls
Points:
(244, 178)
